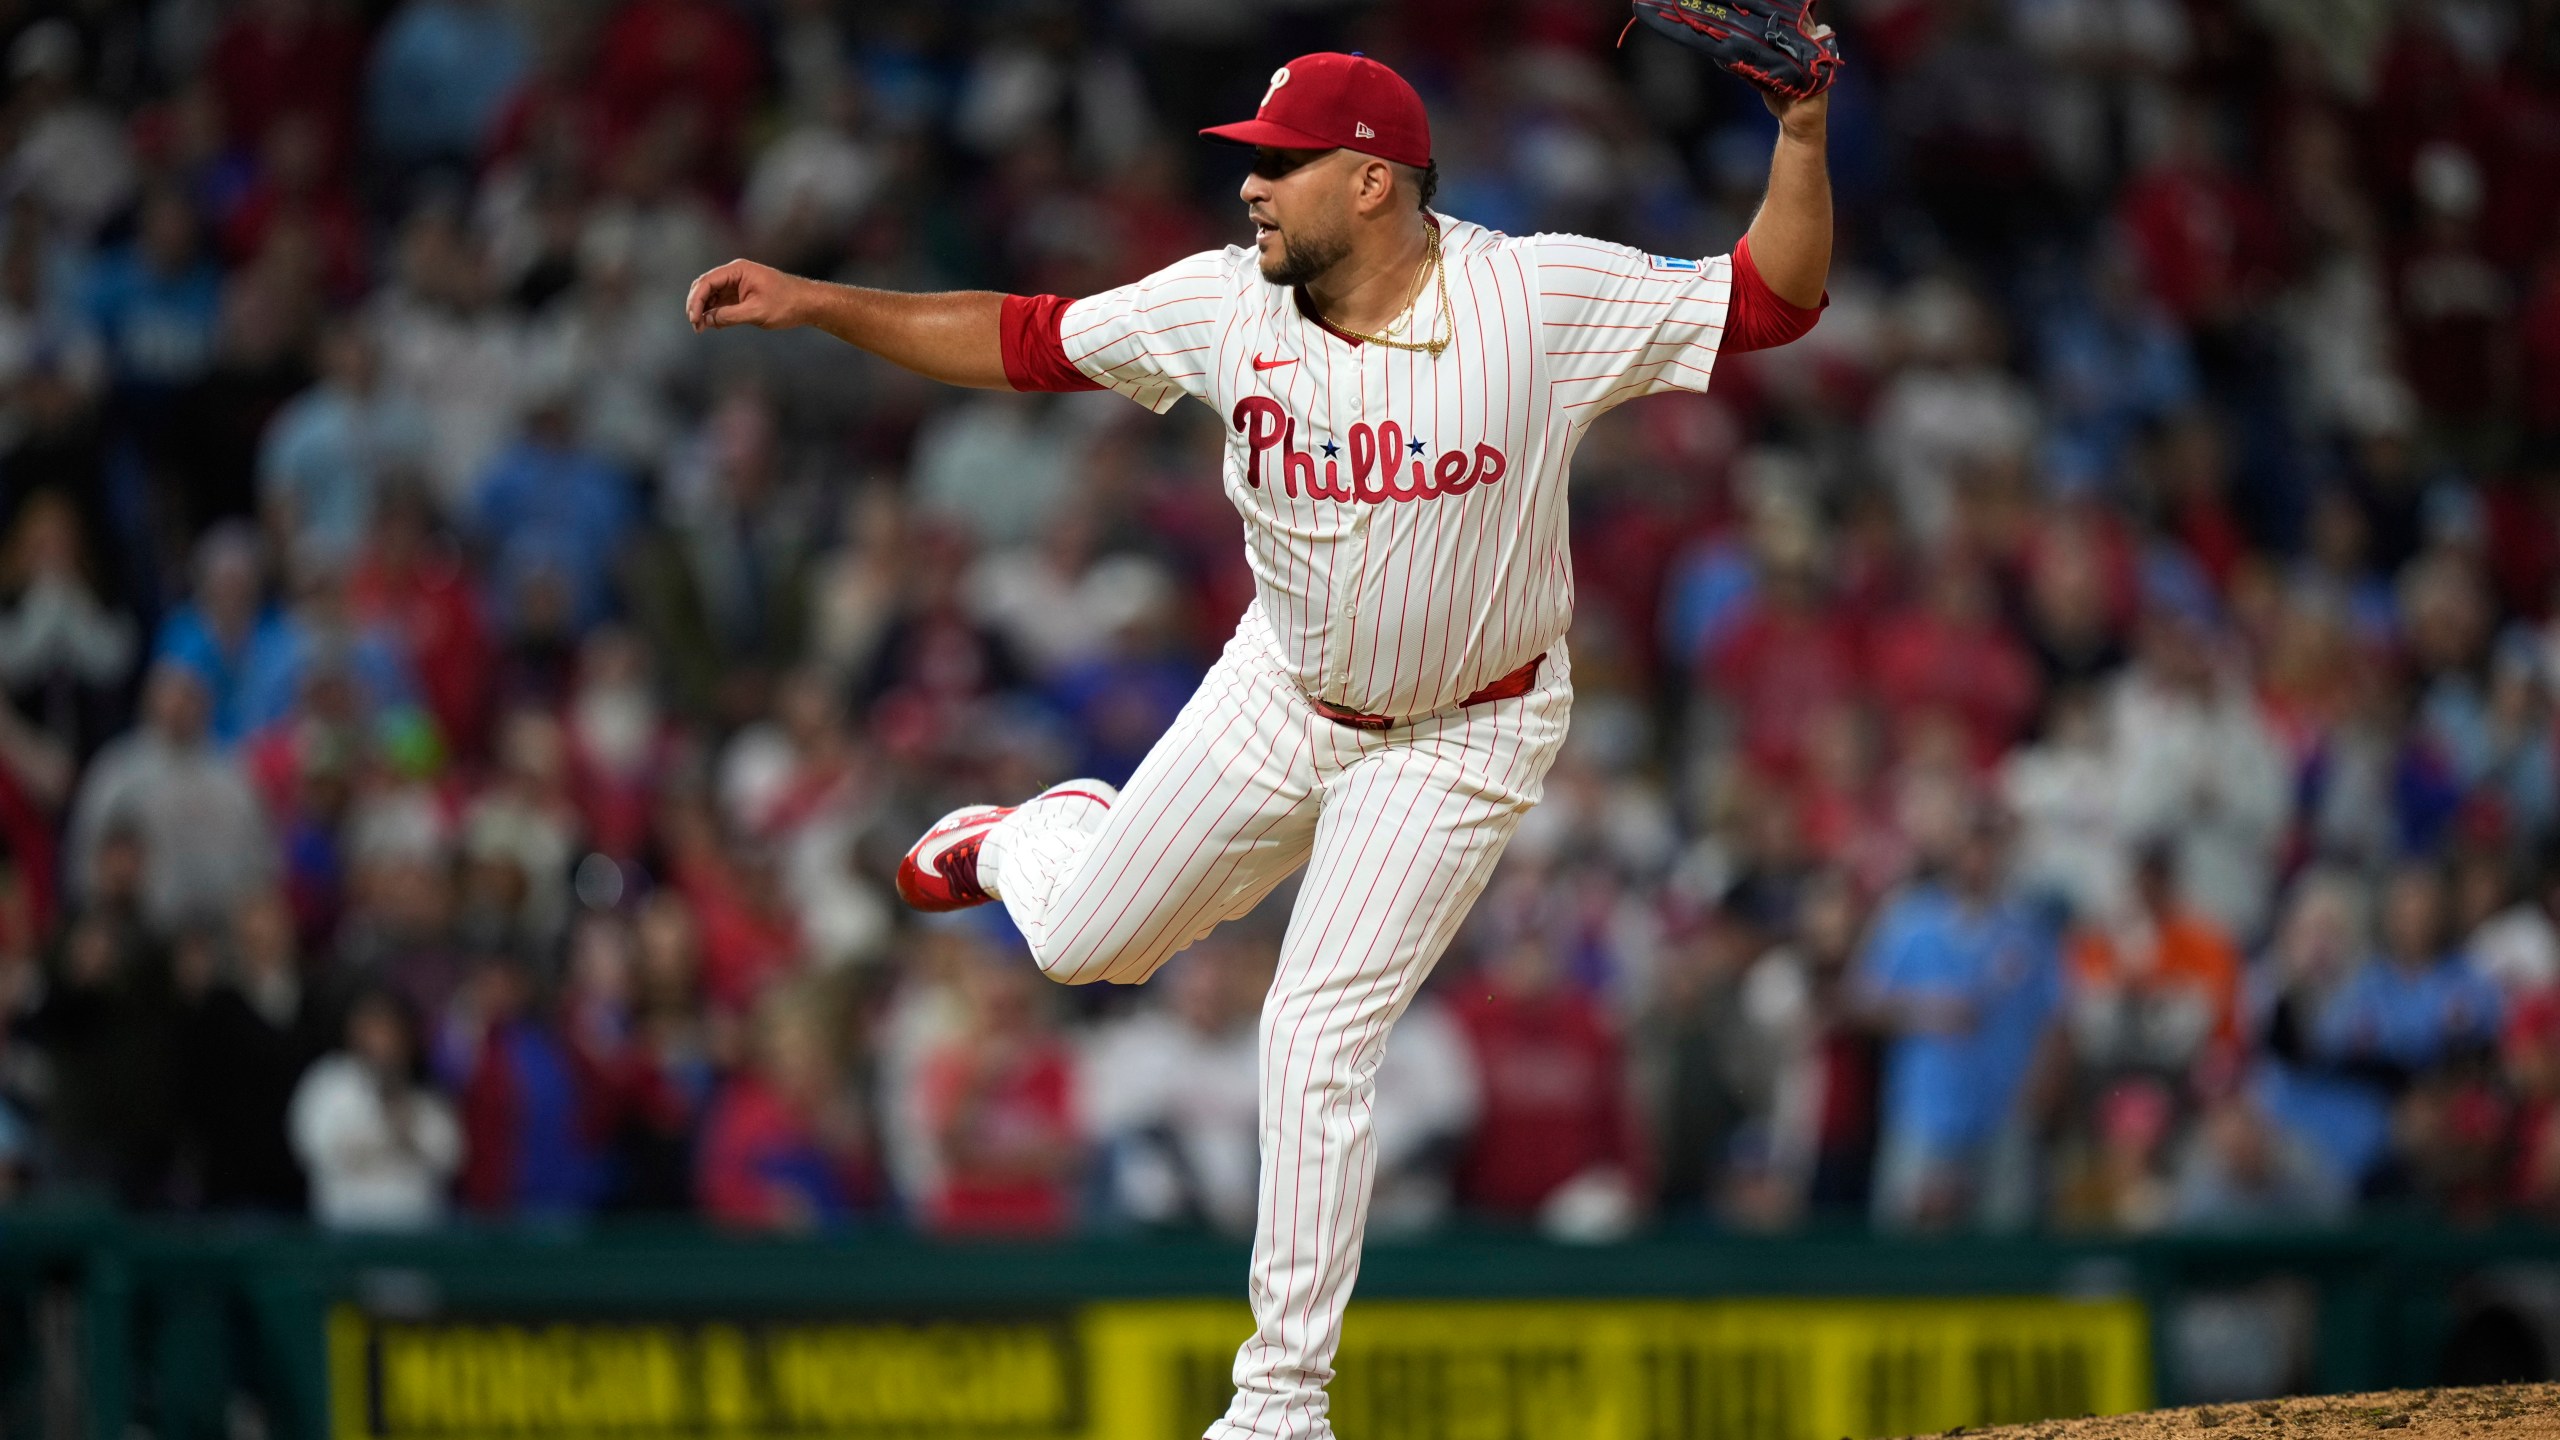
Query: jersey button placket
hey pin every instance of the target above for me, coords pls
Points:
(1348, 611)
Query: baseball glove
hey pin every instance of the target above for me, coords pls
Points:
(1774, 44)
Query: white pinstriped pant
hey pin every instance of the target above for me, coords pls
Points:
(1399, 830)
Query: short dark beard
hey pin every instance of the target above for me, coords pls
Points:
(1306, 257)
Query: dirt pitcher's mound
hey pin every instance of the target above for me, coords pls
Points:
(2497, 1412)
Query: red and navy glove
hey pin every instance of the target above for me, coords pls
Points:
(1774, 44)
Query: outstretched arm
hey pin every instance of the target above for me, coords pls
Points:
(1791, 236)
(954, 337)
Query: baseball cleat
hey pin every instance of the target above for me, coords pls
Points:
(940, 871)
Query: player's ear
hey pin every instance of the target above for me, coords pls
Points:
(1376, 188)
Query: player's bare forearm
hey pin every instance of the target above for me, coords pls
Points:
(1791, 236)
(955, 337)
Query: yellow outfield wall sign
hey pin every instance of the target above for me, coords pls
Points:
(1158, 1370)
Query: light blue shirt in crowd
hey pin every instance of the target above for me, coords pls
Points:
(2408, 1017)
(2002, 961)
(328, 453)
(158, 328)
(441, 73)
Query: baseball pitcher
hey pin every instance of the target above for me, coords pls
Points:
(1402, 393)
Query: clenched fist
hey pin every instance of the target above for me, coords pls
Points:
(743, 292)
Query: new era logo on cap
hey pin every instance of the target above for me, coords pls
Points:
(1310, 97)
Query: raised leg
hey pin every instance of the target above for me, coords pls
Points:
(1221, 810)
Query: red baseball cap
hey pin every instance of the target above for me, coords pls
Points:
(1332, 101)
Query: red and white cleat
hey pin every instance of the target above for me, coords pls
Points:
(940, 871)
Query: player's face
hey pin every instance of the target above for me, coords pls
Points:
(1300, 204)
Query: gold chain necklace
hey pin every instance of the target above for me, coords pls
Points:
(1430, 266)
(1413, 293)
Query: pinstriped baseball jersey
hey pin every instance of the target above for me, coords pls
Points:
(1404, 515)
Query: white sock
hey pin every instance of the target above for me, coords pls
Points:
(1030, 853)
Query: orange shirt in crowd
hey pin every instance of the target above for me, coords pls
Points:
(2188, 952)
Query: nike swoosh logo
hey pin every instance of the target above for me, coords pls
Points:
(1261, 364)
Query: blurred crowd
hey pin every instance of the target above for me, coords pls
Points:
(2071, 742)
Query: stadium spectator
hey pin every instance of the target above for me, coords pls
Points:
(71, 152)
(441, 71)
(246, 1040)
(205, 468)
(155, 304)
(410, 586)
(2195, 763)
(2240, 1171)
(663, 1066)
(378, 1142)
(1823, 1112)
(1557, 1128)
(448, 348)
(530, 1116)
(2120, 1182)
(107, 1024)
(2153, 987)
(1706, 1068)
(1952, 659)
(746, 535)
(2530, 1051)
(316, 631)
(2506, 936)
(214, 632)
(999, 1101)
(551, 511)
(1965, 979)
(2071, 839)
(64, 651)
(2383, 1035)
(288, 57)
(2416, 1002)
(1171, 1097)
(329, 454)
(782, 1149)
(205, 836)
(620, 744)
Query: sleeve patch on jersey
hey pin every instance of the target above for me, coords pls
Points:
(1674, 262)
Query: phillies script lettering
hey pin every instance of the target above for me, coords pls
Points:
(1377, 454)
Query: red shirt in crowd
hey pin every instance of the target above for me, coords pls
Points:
(746, 942)
(1779, 667)
(428, 600)
(275, 58)
(998, 1121)
(763, 1165)
(1978, 672)
(658, 56)
(2205, 239)
(1555, 1098)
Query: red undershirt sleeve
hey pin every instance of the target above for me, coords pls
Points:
(1756, 317)
(1034, 358)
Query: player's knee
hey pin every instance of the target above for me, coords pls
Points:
(1072, 963)
(1096, 953)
